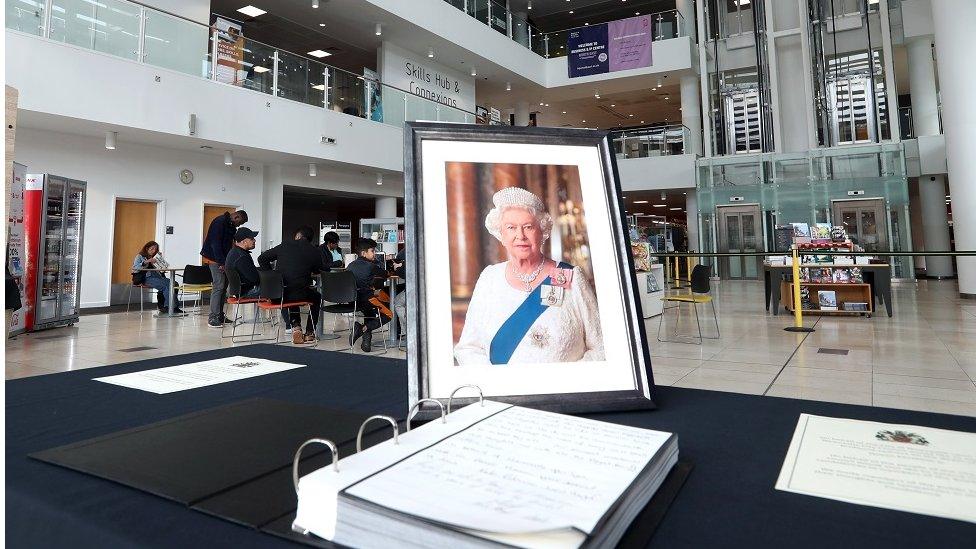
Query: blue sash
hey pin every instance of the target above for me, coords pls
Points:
(513, 330)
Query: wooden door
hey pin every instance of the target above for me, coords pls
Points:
(135, 224)
(211, 212)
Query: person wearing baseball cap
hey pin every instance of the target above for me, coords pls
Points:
(239, 259)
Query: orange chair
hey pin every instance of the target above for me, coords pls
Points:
(272, 298)
(234, 298)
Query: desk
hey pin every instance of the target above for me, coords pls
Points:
(737, 443)
(877, 275)
(172, 288)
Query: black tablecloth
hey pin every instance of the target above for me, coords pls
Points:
(737, 443)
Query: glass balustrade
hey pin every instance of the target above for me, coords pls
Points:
(650, 141)
(133, 31)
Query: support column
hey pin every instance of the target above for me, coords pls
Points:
(691, 112)
(386, 207)
(522, 113)
(687, 10)
(953, 39)
(691, 208)
(931, 187)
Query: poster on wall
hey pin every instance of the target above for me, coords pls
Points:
(615, 46)
(230, 52)
(495, 116)
(16, 248)
(481, 115)
(588, 51)
(374, 96)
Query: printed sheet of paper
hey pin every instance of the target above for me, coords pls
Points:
(903, 467)
(198, 374)
(519, 471)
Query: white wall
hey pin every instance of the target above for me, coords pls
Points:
(196, 10)
(657, 172)
(666, 56)
(123, 93)
(139, 172)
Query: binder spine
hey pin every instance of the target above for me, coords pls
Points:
(413, 410)
(362, 428)
(450, 399)
(298, 456)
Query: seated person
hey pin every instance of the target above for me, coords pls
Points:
(331, 251)
(368, 273)
(298, 259)
(150, 258)
(239, 259)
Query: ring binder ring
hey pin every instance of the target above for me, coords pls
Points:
(450, 399)
(298, 455)
(413, 409)
(359, 437)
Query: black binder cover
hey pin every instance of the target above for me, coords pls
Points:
(192, 458)
(638, 534)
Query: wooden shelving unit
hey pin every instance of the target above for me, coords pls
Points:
(845, 291)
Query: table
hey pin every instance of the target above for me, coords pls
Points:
(172, 288)
(878, 276)
(736, 442)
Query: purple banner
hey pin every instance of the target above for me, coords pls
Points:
(629, 43)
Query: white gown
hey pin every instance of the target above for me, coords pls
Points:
(568, 333)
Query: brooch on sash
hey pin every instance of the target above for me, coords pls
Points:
(552, 296)
(562, 278)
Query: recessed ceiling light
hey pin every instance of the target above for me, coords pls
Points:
(584, 121)
(674, 209)
(660, 205)
(640, 202)
(570, 12)
(630, 115)
(319, 53)
(321, 24)
(259, 69)
(252, 11)
(642, 121)
(666, 98)
(564, 112)
(613, 104)
(586, 24)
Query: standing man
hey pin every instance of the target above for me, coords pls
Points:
(298, 260)
(239, 259)
(219, 241)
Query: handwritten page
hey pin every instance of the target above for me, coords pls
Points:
(198, 374)
(903, 467)
(519, 471)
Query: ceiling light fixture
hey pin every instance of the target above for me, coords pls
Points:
(251, 11)
(312, 169)
(508, 86)
(613, 104)
(571, 12)
(640, 202)
(110, 140)
(674, 209)
(659, 83)
(430, 52)
(320, 87)
(228, 158)
(259, 69)
(564, 112)
(379, 30)
(530, 5)
(319, 53)
(379, 179)
(660, 205)
(315, 4)
(474, 71)
(321, 24)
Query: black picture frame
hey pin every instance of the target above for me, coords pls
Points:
(641, 396)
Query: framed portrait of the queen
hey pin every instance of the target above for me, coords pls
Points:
(519, 276)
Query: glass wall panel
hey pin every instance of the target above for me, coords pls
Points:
(258, 66)
(25, 16)
(116, 28)
(73, 22)
(394, 105)
(176, 44)
(293, 77)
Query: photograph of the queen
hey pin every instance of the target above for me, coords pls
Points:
(529, 307)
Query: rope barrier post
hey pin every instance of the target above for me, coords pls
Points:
(688, 262)
(677, 273)
(797, 302)
(667, 269)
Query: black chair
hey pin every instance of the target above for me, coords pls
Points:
(272, 298)
(701, 287)
(234, 298)
(196, 280)
(339, 288)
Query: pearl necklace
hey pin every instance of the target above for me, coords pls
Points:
(528, 279)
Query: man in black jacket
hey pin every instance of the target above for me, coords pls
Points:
(298, 260)
(367, 273)
(331, 251)
(219, 241)
(239, 260)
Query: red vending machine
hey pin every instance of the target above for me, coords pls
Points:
(54, 222)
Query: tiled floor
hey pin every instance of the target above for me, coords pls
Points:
(923, 358)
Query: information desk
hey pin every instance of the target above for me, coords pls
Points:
(736, 442)
(877, 276)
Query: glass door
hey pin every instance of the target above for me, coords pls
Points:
(739, 232)
(71, 250)
(52, 231)
(864, 221)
